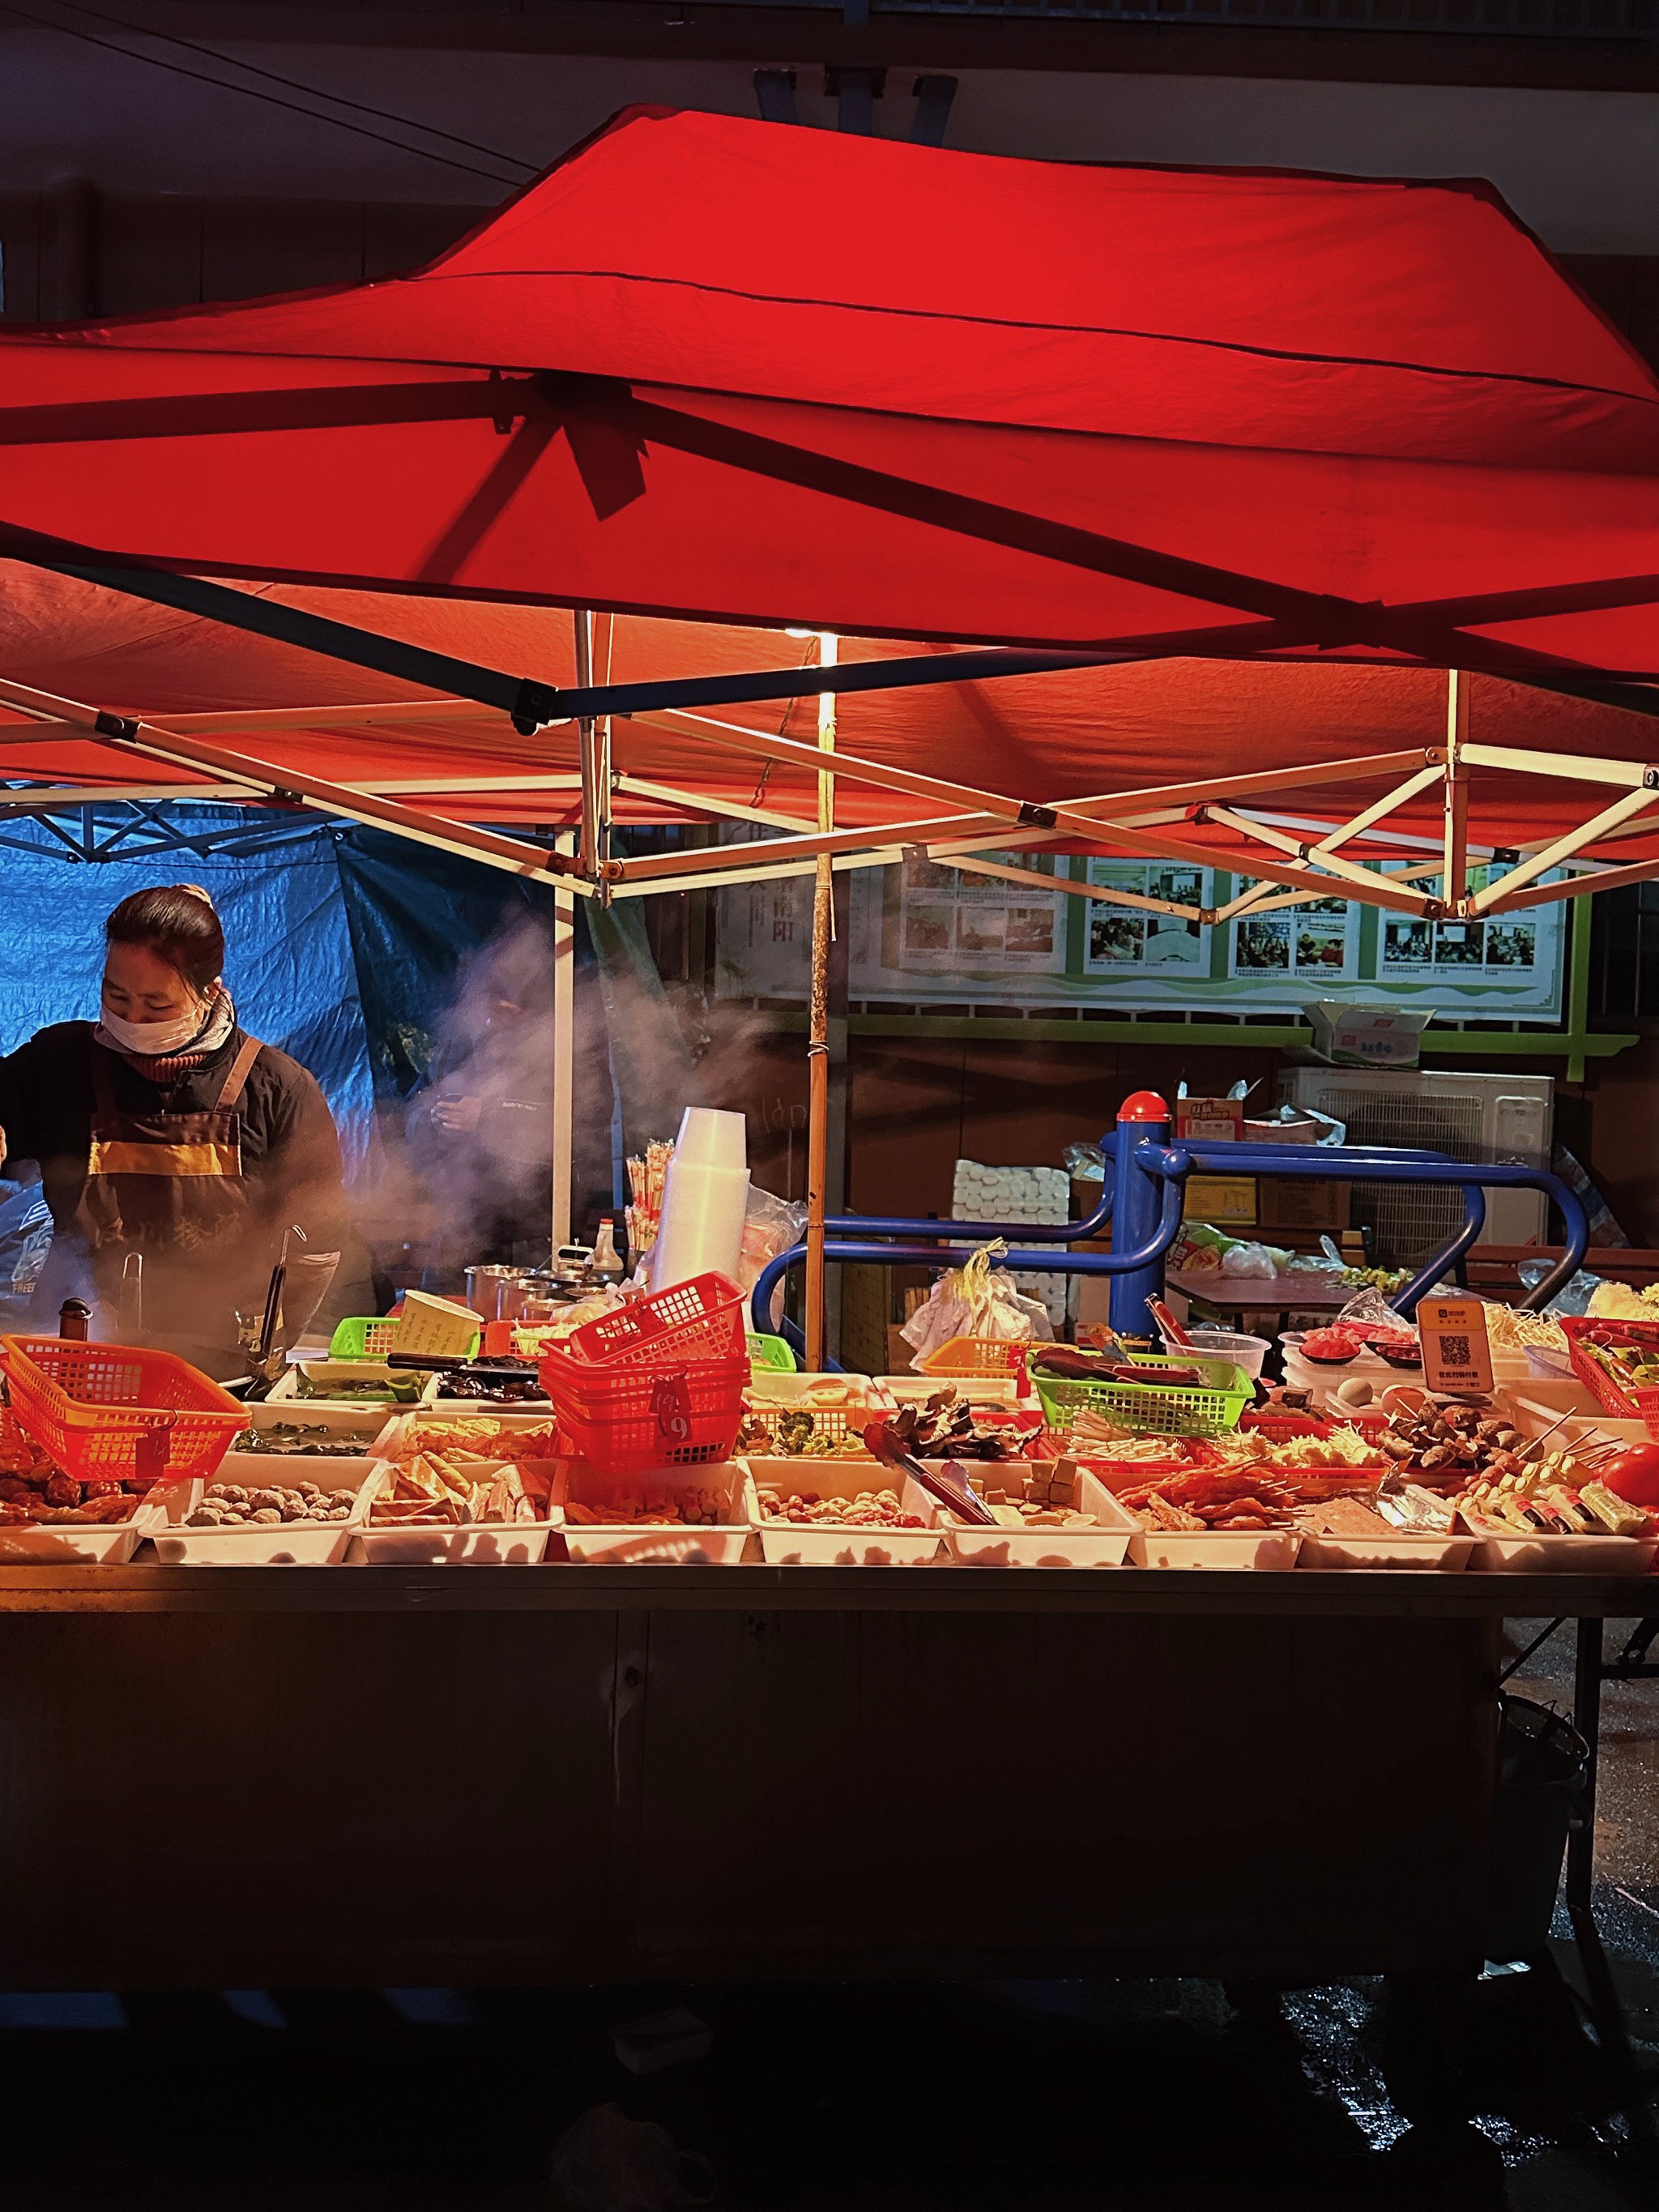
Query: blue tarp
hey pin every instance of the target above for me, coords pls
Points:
(343, 947)
(289, 961)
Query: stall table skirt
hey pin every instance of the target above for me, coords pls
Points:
(380, 1777)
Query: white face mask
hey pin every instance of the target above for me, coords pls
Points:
(154, 1039)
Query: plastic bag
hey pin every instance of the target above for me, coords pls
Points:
(1084, 1163)
(606, 2162)
(1584, 1293)
(1369, 1308)
(770, 1225)
(1254, 1261)
(977, 1300)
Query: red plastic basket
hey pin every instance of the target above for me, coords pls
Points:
(699, 1320)
(111, 1412)
(1624, 1405)
(629, 1419)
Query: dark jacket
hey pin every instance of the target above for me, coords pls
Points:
(290, 1150)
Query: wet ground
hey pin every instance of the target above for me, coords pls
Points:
(1052, 2097)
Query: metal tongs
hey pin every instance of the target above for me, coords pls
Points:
(881, 1440)
(267, 1359)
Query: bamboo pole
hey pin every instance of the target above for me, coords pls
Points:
(817, 1048)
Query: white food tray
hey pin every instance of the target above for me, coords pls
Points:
(1563, 1555)
(1395, 1548)
(1268, 1550)
(652, 1544)
(977, 1389)
(260, 1544)
(1105, 1546)
(364, 1424)
(841, 1544)
(511, 1418)
(326, 1372)
(81, 1544)
(768, 1388)
(453, 1543)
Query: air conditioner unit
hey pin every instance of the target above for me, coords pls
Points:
(1507, 1119)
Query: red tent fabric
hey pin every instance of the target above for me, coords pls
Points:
(1056, 736)
(715, 370)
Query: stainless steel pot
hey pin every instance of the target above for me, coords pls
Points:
(485, 1286)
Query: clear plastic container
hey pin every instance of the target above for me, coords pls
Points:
(1244, 1351)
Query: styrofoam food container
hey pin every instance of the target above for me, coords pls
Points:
(1531, 1413)
(1554, 1394)
(1104, 1545)
(450, 1543)
(1397, 1547)
(982, 1389)
(841, 1544)
(364, 1424)
(87, 1544)
(652, 1544)
(291, 1543)
(324, 1371)
(767, 1388)
(1267, 1550)
(1321, 1382)
(1563, 1555)
(511, 1418)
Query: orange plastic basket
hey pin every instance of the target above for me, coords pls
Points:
(111, 1412)
(699, 1320)
(1625, 1404)
(974, 1355)
(628, 1418)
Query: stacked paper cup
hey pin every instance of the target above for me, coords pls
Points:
(704, 1198)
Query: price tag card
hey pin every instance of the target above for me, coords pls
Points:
(1456, 1355)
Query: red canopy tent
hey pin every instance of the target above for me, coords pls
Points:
(1270, 489)
(713, 372)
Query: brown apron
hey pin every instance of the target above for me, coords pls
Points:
(170, 1186)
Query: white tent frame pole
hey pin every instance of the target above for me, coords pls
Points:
(1626, 806)
(1077, 887)
(564, 1058)
(435, 831)
(817, 1045)
(1342, 872)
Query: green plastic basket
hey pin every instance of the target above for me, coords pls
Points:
(771, 1355)
(1152, 1409)
(367, 1337)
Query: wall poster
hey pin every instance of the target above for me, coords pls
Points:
(924, 932)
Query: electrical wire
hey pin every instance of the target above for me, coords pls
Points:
(222, 84)
(295, 84)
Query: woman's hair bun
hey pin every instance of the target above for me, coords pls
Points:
(179, 923)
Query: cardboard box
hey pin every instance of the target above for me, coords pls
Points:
(1227, 1200)
(1293, 1202)
(1209, 1120)
(1282, 1132)
(1366, 1036)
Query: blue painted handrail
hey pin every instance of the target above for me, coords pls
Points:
(1046, 1262)
(918, 1241)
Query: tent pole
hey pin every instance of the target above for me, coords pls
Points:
(817, 1049)
(564, 1036)
(1454, 877)
(595, 734)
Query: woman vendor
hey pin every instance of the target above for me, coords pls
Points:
(164, 1131)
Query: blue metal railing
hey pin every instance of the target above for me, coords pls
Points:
(876, 1239)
